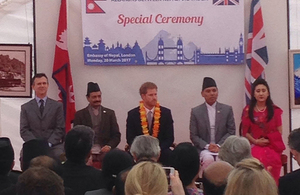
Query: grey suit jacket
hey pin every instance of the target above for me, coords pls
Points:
(49, 126)
(200, 127)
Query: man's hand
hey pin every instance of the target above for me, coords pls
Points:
(105, 148)
(213, 148)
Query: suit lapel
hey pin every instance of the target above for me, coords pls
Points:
(103, 117)
(35, 107)
(87, 118)
(206, 119)
(47, 107)
(218, 117)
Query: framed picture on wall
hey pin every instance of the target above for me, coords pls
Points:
(15, 70)
(294, 63)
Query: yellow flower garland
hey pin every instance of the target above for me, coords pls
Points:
(144, 122)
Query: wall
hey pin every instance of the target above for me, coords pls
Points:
(179, 87)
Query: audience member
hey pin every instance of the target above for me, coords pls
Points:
(102, 120)
(39, 181)
(210, 124)
(75, 173)
(235, 149)
(7, 162)
(113, 163)
(215, 178)
(262, 126)
(32, 149)
(50, 163)
(149, 118)
(143, 148)
(150, 178)
(43, 118)
(185, 159)
(47, 162)
(249, 178)
(289, 184)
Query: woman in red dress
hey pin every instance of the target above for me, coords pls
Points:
(262, 126)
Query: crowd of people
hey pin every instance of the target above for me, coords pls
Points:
(86, 160)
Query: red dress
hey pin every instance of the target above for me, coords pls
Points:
(269, 155)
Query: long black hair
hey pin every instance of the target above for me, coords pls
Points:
(253, 101)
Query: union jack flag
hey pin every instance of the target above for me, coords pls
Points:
(61, 68)
(257, 55)
(225, 2)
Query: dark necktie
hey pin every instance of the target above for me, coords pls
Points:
(42, 106)
(149, 119)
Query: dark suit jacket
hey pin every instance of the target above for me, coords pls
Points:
(5, 182)
(81, 178)
(109, 128)
(200, 127)
(290, 183)
(49, 126)
(166, 129)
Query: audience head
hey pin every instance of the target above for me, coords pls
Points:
(185, 159)
(146, 178)
(294, 144)
(145, 147)
(113, 163)
(44, 161)
(215, 178)
(32, 149)
(250, 177)
(78, 143)
(39, 180)
(7, 156)
(235, 149)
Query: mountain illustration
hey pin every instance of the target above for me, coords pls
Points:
(169, 41)
(297, 86)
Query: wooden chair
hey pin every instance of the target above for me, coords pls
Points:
(284, 163)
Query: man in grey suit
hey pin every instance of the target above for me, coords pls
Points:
(210, 124)
(43, 118)
(102, 120)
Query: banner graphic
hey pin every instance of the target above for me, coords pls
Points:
(163, 32)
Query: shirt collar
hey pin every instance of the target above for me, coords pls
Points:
(38, 99)
(147, 110)
(212, 106)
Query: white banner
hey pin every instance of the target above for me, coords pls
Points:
(163, 32)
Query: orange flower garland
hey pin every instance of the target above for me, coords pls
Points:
(144, 122)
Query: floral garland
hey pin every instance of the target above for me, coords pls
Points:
(144, 122)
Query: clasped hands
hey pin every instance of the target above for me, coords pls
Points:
(213, 148)
(262, 141)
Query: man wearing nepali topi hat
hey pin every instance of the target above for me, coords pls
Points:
(210, 124)
(102, 120)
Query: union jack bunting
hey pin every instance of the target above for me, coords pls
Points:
(225, 2)
(257, 55)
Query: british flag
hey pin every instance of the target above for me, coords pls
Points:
(225, 2)
(257, 55)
